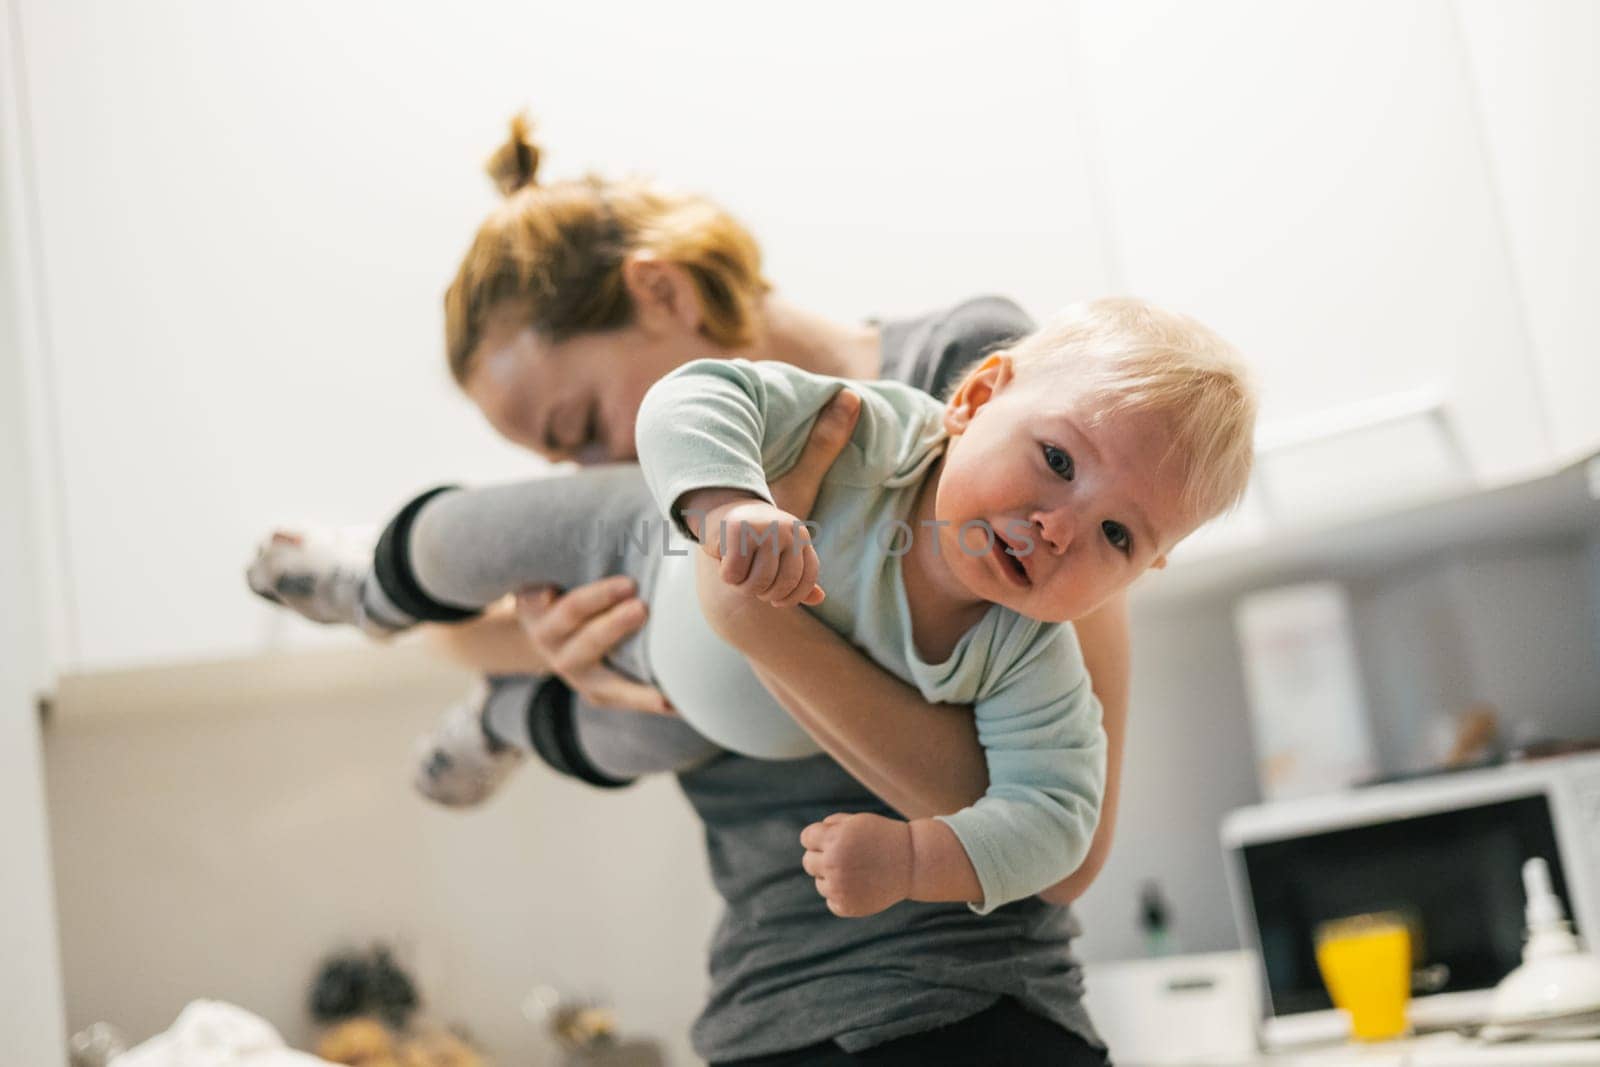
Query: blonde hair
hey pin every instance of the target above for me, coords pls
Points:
(1129, 355)
(554, 254)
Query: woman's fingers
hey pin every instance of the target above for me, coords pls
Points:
(796, 491)
(605, 688)
(575, 632)
(594, 640)
(552, 625)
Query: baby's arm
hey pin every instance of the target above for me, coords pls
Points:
(1046, 754)
(714, 433)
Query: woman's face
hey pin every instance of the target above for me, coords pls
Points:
(575, 399)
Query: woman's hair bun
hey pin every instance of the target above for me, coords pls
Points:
(516, 162)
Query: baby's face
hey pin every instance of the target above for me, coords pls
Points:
(1085, 508)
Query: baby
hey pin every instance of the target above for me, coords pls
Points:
(951, 539)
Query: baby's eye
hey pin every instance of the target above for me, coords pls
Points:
(1059, 462)
(1118, 535)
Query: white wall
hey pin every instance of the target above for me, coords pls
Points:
(1509, 625)
(250, 213)
(31, 1016)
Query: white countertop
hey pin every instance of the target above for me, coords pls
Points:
(1202, 1011)
(1438, 1050)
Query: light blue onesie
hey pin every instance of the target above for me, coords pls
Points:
(738, 425)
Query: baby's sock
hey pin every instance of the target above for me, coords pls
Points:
(461, 763)
(326, 576)
(351, 577)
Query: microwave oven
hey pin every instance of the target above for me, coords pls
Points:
(1445, 851)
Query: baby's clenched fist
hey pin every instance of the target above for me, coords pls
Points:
(861, 863)
(765, 552)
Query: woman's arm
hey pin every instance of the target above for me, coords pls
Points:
(492, 643)
(922, 759)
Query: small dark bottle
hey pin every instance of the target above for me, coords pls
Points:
(1154, 917)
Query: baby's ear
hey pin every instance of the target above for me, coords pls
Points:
(980, 385)
(957, 417)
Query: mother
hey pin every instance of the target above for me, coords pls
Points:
(573, 299)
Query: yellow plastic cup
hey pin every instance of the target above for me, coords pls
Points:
(1365, 962)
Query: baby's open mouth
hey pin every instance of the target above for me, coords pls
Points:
(1010, 562)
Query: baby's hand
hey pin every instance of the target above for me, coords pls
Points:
(766, 552)
(861, 863)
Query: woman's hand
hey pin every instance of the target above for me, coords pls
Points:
(571, 634)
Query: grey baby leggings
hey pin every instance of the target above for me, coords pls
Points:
(451, 551)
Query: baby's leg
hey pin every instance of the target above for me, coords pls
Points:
(451, 552)
(464, 547)
(479, 741)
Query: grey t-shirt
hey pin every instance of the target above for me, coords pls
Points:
(786, 972)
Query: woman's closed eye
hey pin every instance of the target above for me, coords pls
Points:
(1059, 462)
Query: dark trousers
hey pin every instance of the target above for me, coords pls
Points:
(1006, 1035)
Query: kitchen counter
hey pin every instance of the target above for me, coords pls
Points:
(1438, 1050)
(1202, 1011)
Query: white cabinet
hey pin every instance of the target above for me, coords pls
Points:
(1310, 179)
(1536, 71)
(248, 215)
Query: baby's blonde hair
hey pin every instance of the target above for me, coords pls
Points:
(1129, 355)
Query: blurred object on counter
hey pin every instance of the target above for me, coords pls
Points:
(1307, 712)
(1155, 920)
(585, 1030)
(368, 1042)
(1555, 993)
(96, 1045)
(216, 1034)
(1197, 1009)
(369, 1005)
(1468, 740)
(363, 983)
(1477, 736)
(1366, 962)
(359, 1042)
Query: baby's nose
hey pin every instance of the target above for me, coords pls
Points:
(1057, 527)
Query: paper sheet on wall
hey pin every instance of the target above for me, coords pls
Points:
(1308, 714)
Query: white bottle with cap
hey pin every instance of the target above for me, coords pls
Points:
(1555, 993)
